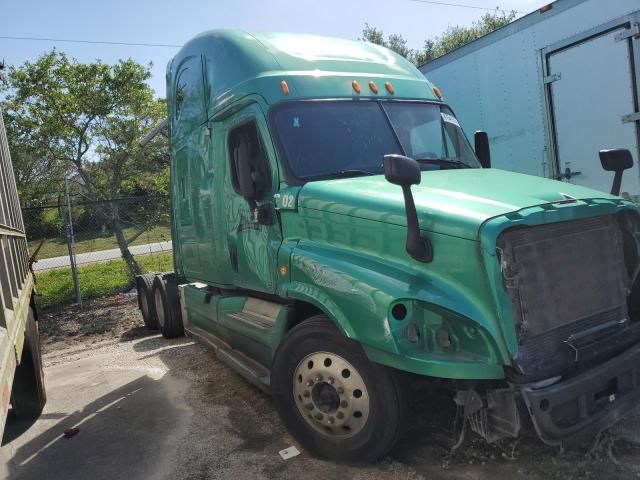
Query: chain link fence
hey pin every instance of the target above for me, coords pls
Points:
(79, 243)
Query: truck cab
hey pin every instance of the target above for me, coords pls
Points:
(336, 240)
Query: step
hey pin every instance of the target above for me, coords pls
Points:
(248, 368)
(258, 313)
(251, 370)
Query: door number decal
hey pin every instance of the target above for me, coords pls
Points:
(287, 201)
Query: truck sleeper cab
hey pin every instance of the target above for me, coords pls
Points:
(335, 238)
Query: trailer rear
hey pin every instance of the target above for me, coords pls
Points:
(552, 89)
(21, 374)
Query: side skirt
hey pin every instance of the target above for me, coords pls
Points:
(252, 371)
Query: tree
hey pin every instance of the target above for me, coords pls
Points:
(373, 35)
(395, 42)
(82, 121)
(452, 38)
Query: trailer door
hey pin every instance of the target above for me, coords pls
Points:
(591, 89)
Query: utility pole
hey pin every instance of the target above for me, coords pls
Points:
(71, 242)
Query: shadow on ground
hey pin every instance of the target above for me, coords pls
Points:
(120, 436)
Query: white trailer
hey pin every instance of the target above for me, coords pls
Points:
(552, 89)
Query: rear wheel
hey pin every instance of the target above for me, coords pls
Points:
(146, 301)
(333, 400)
(28, 394)
(167, 307)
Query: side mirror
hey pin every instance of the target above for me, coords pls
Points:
(616, 160)
(481, 140)
(246, 181)
(401, 170)
(405, 171)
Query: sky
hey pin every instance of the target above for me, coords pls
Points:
(161, 22)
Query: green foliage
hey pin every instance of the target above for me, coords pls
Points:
(45, 222)
(55, 287)
(80, 119)
(84, 121)
(453, 37)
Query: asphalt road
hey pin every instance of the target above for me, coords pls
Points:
(100, 256)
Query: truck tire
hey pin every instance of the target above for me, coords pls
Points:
(167, 306)
(28, 394)
(332, 399)
(146, 301)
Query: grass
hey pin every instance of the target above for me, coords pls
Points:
(55, 287)
(56, 247)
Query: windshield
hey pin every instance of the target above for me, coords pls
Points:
(331, 139)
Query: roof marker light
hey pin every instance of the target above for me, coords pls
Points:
(438, 93)
(284, 87)
(389, 87)
(373, 87)
(356, 86)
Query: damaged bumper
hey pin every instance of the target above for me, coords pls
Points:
(563, 412)
(595, 399)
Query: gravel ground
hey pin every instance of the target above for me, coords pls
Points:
(231, 429)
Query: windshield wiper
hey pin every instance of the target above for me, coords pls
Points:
(351, 172)
(443, 161)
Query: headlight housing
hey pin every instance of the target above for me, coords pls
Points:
(424, 329)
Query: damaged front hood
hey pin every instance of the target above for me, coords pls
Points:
(453, 202)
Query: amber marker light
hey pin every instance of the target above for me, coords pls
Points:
(283, 270)
(356, 86)
(284, 87)
(389, 87)
(373, 87)
(438, 93)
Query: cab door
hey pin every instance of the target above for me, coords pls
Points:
(253, 228)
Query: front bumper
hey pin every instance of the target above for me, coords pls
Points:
(565, 411)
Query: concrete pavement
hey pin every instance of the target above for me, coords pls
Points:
(127, 415)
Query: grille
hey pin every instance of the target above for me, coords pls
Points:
(562, 278)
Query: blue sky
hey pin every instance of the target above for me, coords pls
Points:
(147, 21)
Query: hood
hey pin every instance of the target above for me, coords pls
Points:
(452, 202)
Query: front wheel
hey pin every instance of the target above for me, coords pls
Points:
(332, 399)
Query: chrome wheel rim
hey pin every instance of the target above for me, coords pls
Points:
(331, 395)
(159, 307)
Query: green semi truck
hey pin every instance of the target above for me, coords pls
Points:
(337, 241)
(21, 374)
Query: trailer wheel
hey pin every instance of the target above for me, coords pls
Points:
(332, 399)
(165, 296)
(28, 394)
(146, 301)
